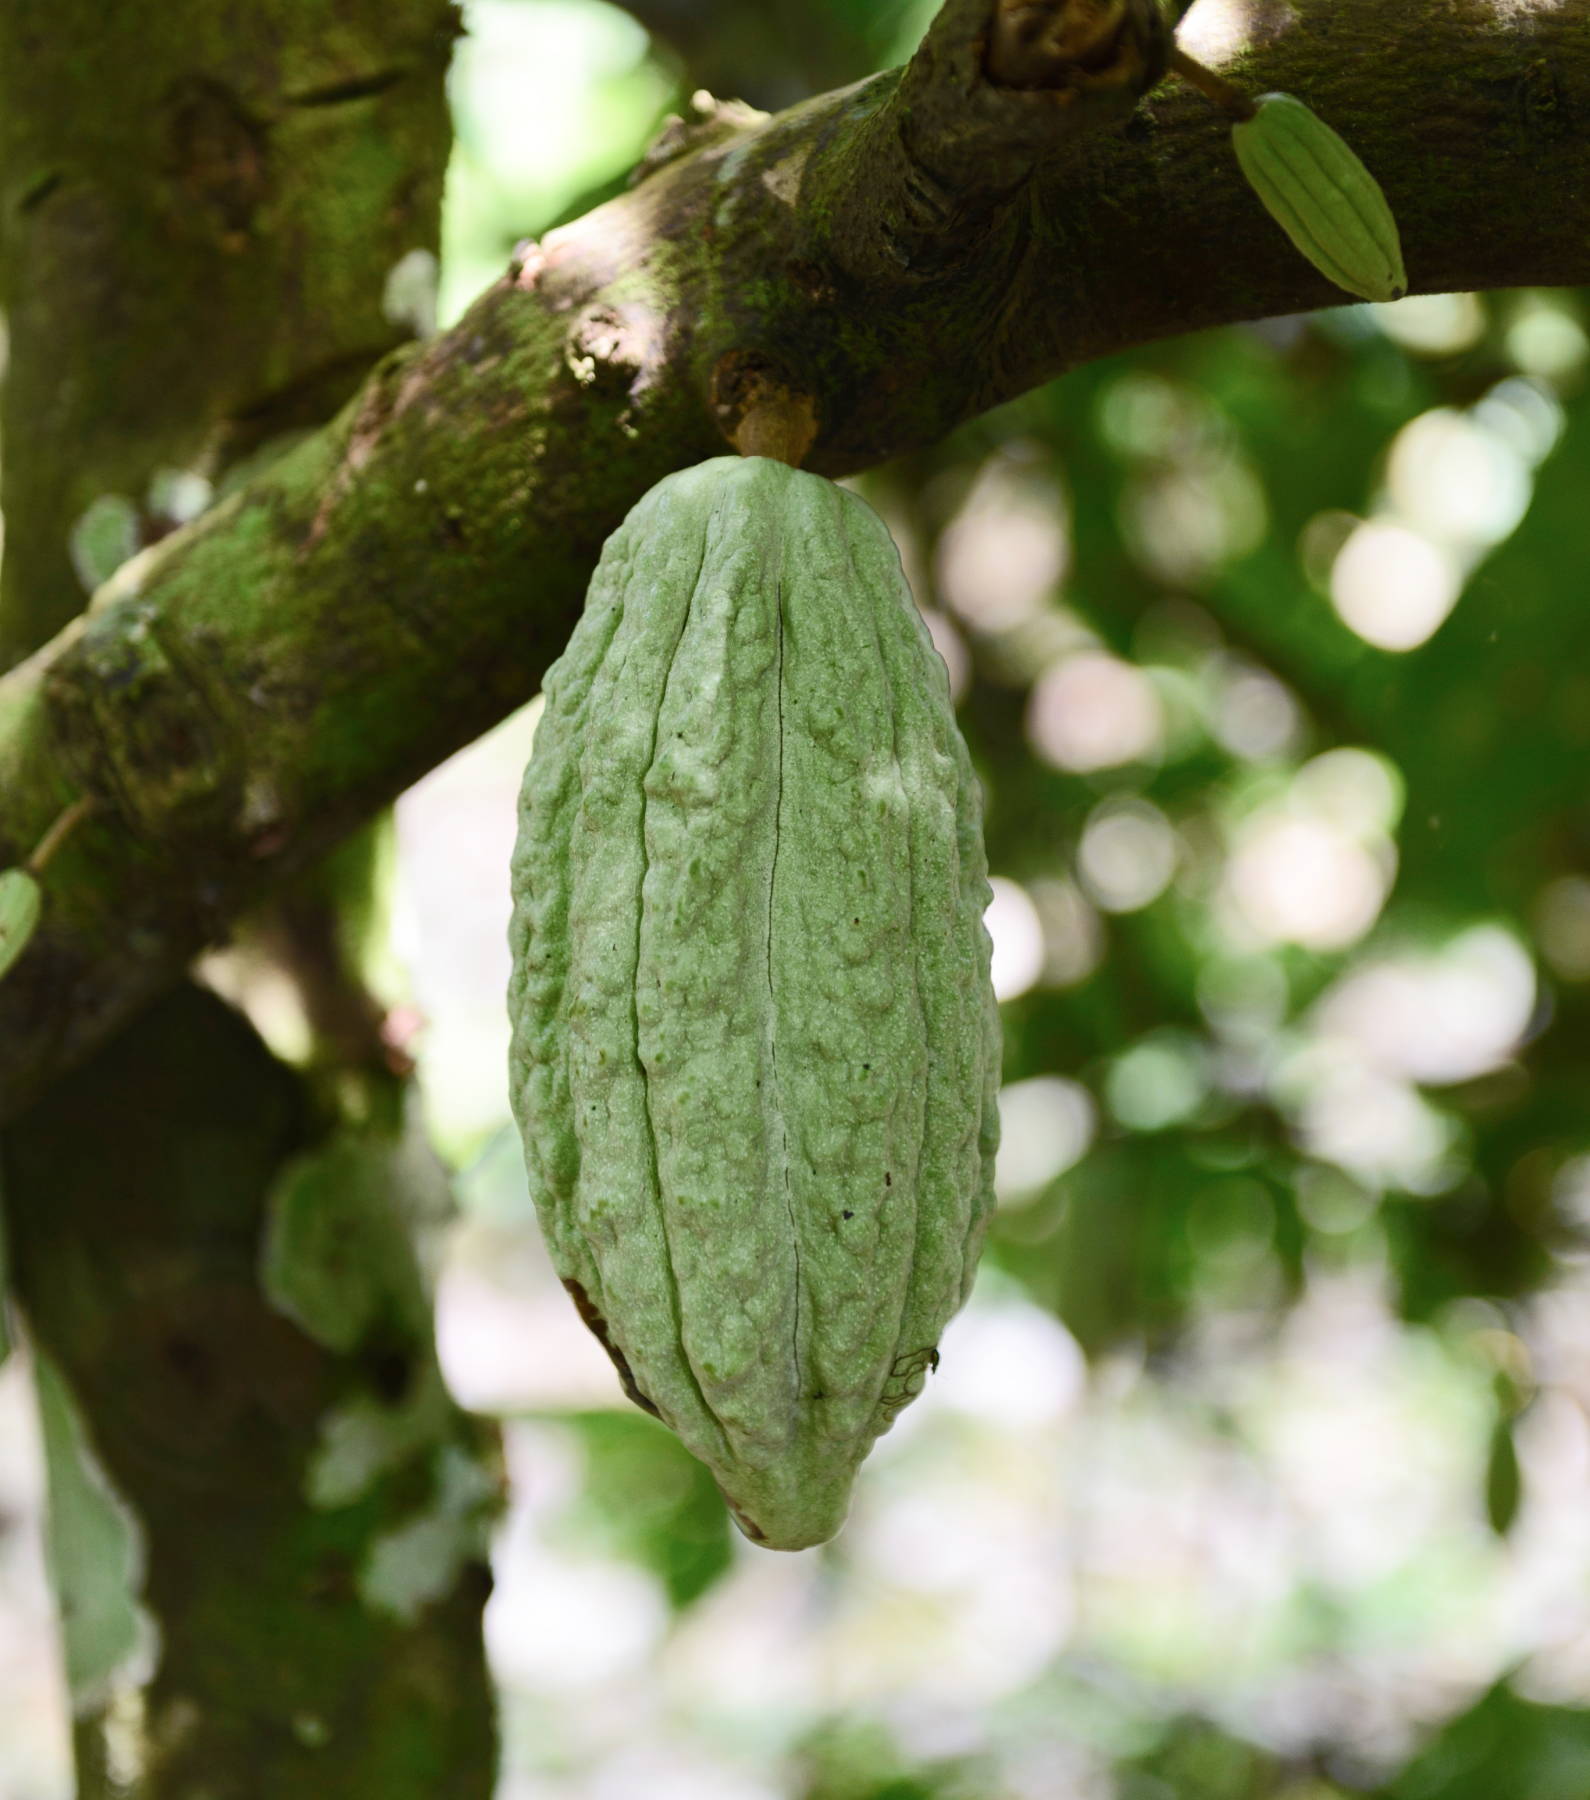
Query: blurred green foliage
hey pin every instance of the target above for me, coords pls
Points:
(646, 1497)
(1480, 723)
(851, 1760)
(1504, 1745)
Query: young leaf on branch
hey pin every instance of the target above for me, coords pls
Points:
(1315, 187)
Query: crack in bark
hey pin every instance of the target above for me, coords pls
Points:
(339, 93)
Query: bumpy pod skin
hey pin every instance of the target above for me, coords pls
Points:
(1330, 206)
(755, 1049)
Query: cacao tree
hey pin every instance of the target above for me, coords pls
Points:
(275, 548)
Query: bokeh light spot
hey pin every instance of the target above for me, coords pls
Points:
(1127, 855)
(1017, 933)
(1457, 481)
(1393, 586)
(1073, 935)
(1432, 324)
(1562, 924)
(1252, 714)
(1158, 1082)
(1356, 790)
(1546, 338)
(1301, 880)
(1436, 1016)
(1046, 1126)
(1001, 559)
(1094, 711)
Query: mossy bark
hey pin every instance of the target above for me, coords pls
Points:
(202, 210)
(199, 211)
(908, 252)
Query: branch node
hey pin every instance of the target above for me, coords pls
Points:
(712, 121)
(1062, 45)
(1232, 100)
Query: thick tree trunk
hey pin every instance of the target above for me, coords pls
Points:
(202, 206)
(276, 1591)
(267, 1518)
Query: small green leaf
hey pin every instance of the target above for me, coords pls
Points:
(1330, 206)
(1503, 1482)
(94, 1549)
(105, 535)
(19, 915)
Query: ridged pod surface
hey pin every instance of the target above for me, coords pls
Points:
(1315, 187)
(755, 1049)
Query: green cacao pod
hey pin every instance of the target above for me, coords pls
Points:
(1314, 186)
(755, 1050)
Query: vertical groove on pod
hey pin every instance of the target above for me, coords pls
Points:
(542, 881)
(947, 894)
(634, 1005)
(772, 1001)
(973, 869)
(886, 675)
(1322, 187)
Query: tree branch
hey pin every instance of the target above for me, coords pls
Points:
(910, 251)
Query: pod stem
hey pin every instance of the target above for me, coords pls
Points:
(1231, 100)
(58, 833)
(760, 411)
(782, 428)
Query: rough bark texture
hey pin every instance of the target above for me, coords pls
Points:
(203, 208)
(910, 251)
(308, 1509)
